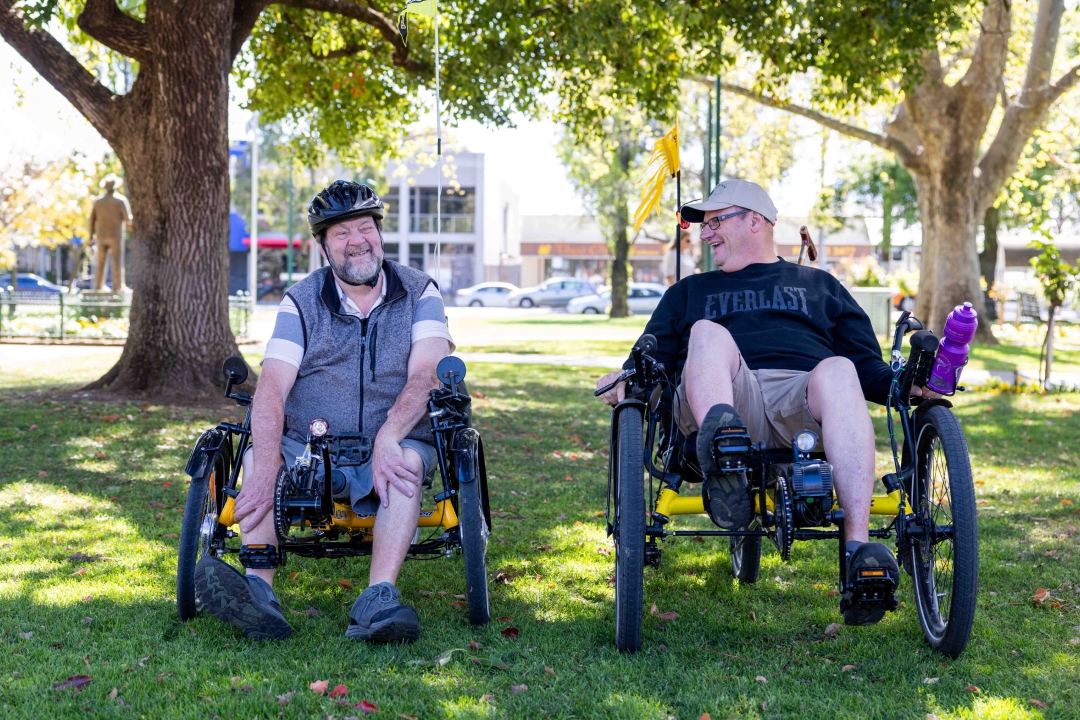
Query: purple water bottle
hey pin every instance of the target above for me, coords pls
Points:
(952, 353)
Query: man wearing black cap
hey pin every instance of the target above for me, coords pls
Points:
(776, 348)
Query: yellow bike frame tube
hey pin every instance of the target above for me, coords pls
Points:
(443, 515)
(670, 504)
(884, 504)
(226, 515)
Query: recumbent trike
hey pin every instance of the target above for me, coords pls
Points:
(307, 518)
(930, 497)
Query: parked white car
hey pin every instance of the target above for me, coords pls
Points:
(556, 292)
(489, 294)
(641, 297)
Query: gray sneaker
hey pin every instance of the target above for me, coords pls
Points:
(246, 601)
(379, 616)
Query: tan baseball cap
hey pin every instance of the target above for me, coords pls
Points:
(737, 193)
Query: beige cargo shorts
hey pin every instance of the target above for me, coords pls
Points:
(772, 404)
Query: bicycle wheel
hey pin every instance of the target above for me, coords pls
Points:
(473, 526)
(746, 558)
(629, 528)
(944, 554)
(199, 530)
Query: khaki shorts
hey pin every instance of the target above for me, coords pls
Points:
(772, 403)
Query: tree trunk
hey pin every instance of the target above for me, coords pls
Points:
(1049, 344)
(173, 144)
(886, 226)
(620, 222)
(988, 258)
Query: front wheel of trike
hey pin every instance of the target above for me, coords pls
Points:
(944, 554)
(629, 527)
(200, 534)
(474, 528)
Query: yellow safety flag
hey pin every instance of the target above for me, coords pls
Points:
(665, 157)
(427, 8)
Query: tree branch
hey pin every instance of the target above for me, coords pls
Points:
(104, 21)
(893, 145)
(384, 25)
(46, 55)
(1065, 83)
(245, 14)
(992, 48)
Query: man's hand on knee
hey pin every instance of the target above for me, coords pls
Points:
(615, 395)
(255, 500)
(390, 467)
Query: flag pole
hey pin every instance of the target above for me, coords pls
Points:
(678, 225)
(438, 154)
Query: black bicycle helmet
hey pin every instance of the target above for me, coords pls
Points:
(342, 200)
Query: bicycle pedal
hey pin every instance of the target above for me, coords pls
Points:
(730, 448)
(872, 587)
(261, 557)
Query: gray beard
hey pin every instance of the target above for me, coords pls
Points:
(354, 271)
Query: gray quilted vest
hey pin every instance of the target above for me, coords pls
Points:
(353, 368)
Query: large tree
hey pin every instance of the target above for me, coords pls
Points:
(337, 70)
(944, 129)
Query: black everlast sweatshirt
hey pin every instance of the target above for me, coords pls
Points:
(782, 316)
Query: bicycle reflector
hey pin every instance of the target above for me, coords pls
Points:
(805, 441)
(319, 427)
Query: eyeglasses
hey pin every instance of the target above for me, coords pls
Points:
(714, 223)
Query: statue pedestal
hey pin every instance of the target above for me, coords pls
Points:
(104, 303)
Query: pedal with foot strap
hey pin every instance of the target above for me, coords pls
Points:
(730, 448)
(869, 596)
(261, 557)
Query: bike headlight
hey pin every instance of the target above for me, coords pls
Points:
(805, 441)
(319, 427)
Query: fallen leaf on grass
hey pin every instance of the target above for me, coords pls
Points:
(669, 616)
(459, 605)
(294, 575)
(761, 679)
(654, 610)
(403, 716)
(172, 536)
(42, 473)
(1041, 596)
(83, 557)
(26, 635)
(75, 682)
(284, 699)
(312, 612)
(347, 584)
(519, 688)
(1037, 703)
(846, 668)
(704, 716)
(832, 593)
(113, 693)
(101, 456)
(1066, 501)
(338, 691)
(973, 689)
(930, 681)
(833, 630)
(506, 575)
(460, 597)
(80, 571)
(110, 418)
(510, 632)
(319, 686)
(549, 671)
(473, 645)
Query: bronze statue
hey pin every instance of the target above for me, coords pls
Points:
(108, 219)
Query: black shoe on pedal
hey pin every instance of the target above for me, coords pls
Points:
(246, 601)
(872, 578)
(725, 493)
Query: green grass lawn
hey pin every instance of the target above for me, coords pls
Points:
(106, 480)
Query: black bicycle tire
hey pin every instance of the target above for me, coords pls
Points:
(474, 540)
(948, 635)
(630, 529)
(188, 554)
(746, 558)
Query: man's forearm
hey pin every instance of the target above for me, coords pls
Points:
(409, 408)
(267, 422)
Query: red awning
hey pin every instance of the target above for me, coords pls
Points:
(276, 241)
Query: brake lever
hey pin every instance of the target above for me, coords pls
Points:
(626, 375)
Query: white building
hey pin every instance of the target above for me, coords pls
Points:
(481, 225)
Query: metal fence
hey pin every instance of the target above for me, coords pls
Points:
(86, 317)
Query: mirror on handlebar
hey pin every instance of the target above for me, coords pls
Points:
(235, 370)
(451, 371)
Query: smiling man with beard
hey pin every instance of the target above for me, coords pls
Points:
(355, 343)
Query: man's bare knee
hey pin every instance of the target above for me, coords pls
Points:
(835, 382)
(714, 343)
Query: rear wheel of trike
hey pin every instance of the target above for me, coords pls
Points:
(629, 531)
(746, 558)
(944, 555)
(474, 528)
(199, 530)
